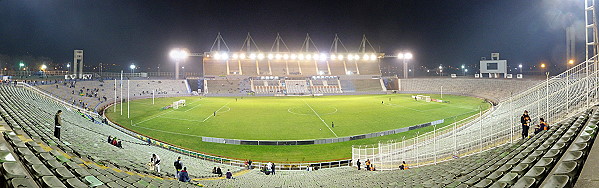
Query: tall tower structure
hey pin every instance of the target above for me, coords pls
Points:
(78, 63)
(570, 44)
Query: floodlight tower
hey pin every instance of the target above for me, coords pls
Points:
(178, 54)
(405, 56)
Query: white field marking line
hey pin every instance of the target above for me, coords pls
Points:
(192, 108)
(228, 109)
(182, 119)
(155, 117)
(216, 111)
(405, 107)
(332, 112)
(290, 111)
(325, 123)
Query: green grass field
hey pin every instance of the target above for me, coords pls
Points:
(288, 118)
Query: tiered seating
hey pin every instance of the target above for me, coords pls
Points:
(496, 89)
(367, 85)
(325, 86)
(308, 68)
(369, 68)
(296, 87)
(83, 144)
(337, 68)
(248, 68)
(217, 68)
(95, 99)
(223, 87)
(267, 86)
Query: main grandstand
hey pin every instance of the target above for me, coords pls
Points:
(482, 150)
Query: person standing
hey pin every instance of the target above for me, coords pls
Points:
(57, 124)
(332, 124)
(367, 164)
(219, 172)
(229, 174)
(525, 120)
(178, 167)
(156, 162)
(358, 163)
(272, 168)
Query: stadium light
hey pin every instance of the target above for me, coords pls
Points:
(520, 66)
(241, 56)
(350, 57)
(571, 61)
(285, 56)
(252, 56)
(224, 56)
(308, 56)
(300, 56)
(542, 65)
(408, 55)
(261, 56)
(333, 57)
(178, 54)
(271, 56)
(323, 57)
(365, 57)
(340, 57)
(43, 67)
(278, 56)
(293, 56)
(235, 56)
(372, 57)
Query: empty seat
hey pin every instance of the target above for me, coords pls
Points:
(92, 181)
(509, 178)
(63, 173)
(74, 183)
(40, 170)
(52, 181)
(566, 168)
(557, 181)
(31, 160)
(6, 156)
(576, 156)
(484, 183)
(21, 182)
(495, 175)
(521, 168)
(12, 170)
(536, 172)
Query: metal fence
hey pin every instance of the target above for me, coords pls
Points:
(559, 96)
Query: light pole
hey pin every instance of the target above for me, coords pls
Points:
(132, 67)
(405, 56)
(570, 63)
(43, 69)
(178, 54)
(520, 67)
(464, 70)
(69, 68)
(440, 71)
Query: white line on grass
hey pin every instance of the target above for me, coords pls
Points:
(325, 123)
(155, 117)
(192, 108)
(182, 119)
(217, 111)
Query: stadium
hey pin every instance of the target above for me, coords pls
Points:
(318, 118)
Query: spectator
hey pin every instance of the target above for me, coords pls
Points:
(229, 174)
(525, 120)
(367, 164)
(57, 124)
(272, 169)
(214, 170)
(358, 163)
(403, 166)
(178, 166)
(110, 139)
(219, 172)
(119, 144)
(156, 162)
(183, 175)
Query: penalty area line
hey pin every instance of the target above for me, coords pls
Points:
(325, 123)
(217, 111)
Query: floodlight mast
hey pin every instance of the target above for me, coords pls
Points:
(405, 56)
(178, 54)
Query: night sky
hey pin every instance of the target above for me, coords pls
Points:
(448, 32)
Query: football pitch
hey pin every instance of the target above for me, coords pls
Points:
(287, 118)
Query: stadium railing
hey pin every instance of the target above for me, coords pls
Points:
(553, 99)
